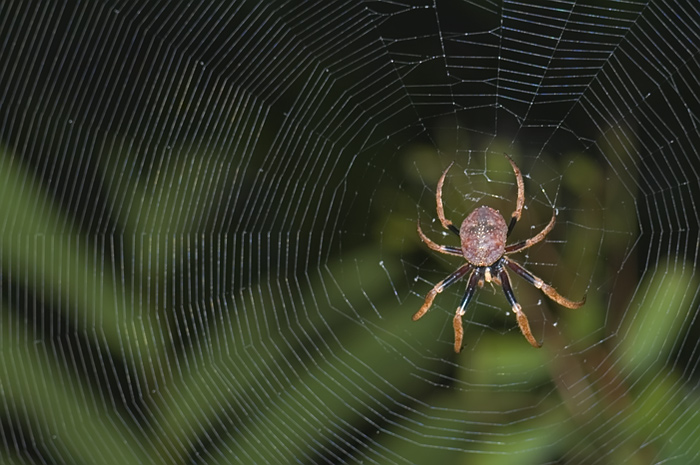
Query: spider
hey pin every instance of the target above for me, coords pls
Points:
(483, 245)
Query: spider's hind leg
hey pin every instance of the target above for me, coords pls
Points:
(447, 224)
(521, 195)
(446, 249)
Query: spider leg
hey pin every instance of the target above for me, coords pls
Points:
(439, 287)
(533, 240)
(447, 224)
(546, 288)
(521, 195)
(517, 309)
(457, 321)
(440, 248)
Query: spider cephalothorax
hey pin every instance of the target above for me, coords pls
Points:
(483, 245)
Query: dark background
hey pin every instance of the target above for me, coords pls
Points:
(208, 237)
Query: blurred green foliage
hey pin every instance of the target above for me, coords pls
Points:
(293, 362)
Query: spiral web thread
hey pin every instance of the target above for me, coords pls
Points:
(208, 231)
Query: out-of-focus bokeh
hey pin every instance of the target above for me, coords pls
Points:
(208, 246)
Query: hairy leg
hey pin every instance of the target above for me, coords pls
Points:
(446, 249)
(457, 321)
(517, 309)
(447, 224)
(521, 195)
(439, 287)
(548, 290)
(533, 240)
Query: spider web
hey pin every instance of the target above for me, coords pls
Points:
(209, 249)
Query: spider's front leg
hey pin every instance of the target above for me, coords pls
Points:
(517, 309)
(548, 290)
(457, 321)
(439, 287)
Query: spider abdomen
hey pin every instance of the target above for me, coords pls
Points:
(483, 236)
